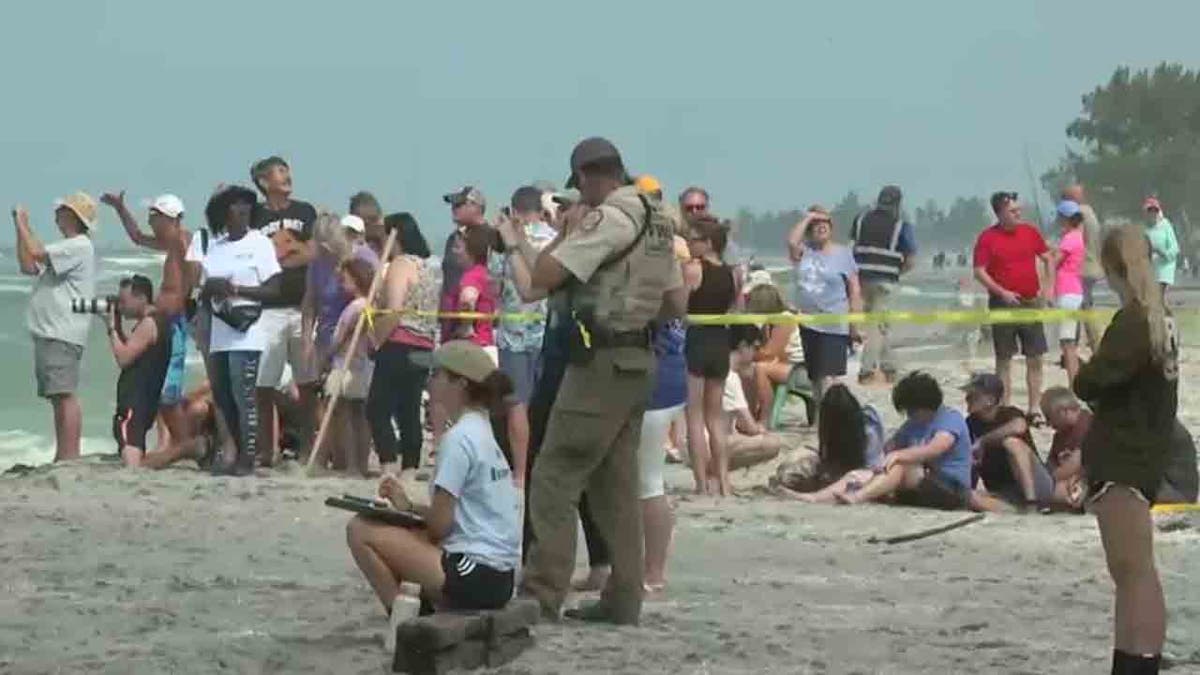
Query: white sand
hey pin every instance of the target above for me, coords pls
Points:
(106, 570)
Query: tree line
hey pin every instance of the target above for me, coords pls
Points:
(1137, 135)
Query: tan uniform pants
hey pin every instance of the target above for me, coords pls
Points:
(877, 353)
(591, 442)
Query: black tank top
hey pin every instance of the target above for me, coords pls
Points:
(715, 293)
(142, 381)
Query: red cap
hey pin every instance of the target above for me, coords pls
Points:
(1151, 203)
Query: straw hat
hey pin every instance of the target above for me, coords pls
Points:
(83, 206)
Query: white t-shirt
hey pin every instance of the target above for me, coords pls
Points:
(69, 274)
(195, 250)
(733, 398)
(248, 261)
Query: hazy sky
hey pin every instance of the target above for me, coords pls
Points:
(769, 104)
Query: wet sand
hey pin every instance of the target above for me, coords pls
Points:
(106, 570)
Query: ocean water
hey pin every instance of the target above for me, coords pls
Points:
(26, 421)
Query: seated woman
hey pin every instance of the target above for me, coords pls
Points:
(927, 462)
(749, 442)
(780, 353)
(466, 556)
(849, 447)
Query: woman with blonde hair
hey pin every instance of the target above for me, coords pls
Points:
(1131, 385)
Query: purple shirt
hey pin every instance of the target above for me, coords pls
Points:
(331, 300)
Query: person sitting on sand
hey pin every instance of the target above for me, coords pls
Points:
(1065, 414)
(466, 556)
(1003, 452)
(850, 440)
(748, 442)
(927, 462)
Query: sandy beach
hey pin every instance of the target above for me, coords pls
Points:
(107, 570)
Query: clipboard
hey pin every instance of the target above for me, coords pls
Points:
(375, 510)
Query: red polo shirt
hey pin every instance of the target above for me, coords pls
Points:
(1010, 257)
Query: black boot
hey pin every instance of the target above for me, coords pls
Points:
(1134, 664)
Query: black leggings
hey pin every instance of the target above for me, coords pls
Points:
(395, 393)
(544, 392)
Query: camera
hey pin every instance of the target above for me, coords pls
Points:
(102, 305)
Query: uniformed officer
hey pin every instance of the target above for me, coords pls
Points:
(617, 266)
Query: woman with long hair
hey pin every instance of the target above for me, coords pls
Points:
(850, 440)
(1131, 385)
(405, 330)
(707, 352)
(465, 557)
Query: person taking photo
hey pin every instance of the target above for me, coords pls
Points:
(143, 356)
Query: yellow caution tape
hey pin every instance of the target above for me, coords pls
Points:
(993, 316)
(1174, 508)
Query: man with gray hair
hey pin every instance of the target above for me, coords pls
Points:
(884, 248)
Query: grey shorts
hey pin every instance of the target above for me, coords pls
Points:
(522, 369)
(56, 366)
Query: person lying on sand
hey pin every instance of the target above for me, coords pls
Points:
(927, 462)
(466, 556)
(1003, 451)
(850, 440)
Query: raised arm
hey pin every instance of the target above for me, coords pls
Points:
(30, 252)
(117, 201)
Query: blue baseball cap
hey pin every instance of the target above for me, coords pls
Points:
(1068, 208)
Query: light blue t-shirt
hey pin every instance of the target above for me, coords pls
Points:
(487, 519)
(873, 426)
(820, 281)
(954, 466)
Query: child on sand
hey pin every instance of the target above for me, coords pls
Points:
(1003, 451)
(350, 374)
(927, 462)
(748, 443)
(1132, 385)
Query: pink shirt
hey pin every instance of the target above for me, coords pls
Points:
(1068, 277)
(477, 277)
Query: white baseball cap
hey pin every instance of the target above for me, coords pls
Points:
(167, 204)
(354, 224)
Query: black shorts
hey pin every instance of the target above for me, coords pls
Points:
(824, 353)
(707, 351)
(130, 424)
(472, 585)
(1009, 338)
(934, 493)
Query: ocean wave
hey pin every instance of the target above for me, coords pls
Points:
(18, 446)
(148, 260)
(22, 288)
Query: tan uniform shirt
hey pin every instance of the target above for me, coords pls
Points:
(625, 295)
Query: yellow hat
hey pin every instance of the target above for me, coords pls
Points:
(82, 205)
(647, 184)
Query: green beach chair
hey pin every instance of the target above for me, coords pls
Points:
(799, 385)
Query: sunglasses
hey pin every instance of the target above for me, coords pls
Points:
(695, 208)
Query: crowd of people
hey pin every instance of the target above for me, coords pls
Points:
(555, 352)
